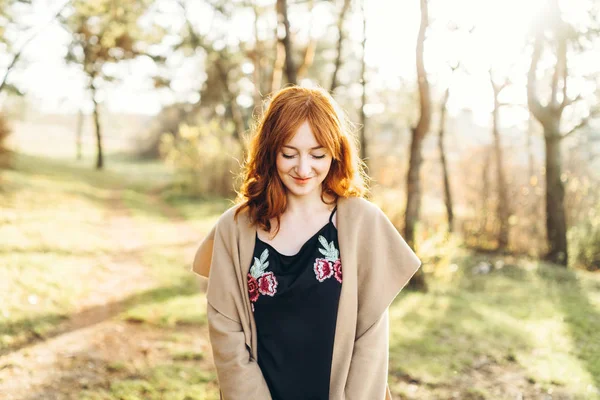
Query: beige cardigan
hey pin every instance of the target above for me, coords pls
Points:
(377, 263)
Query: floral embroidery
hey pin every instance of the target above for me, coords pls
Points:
(267, 284)
(259, 281)
(337, 268)
(323, 269)
(330, 265)
(252, 288)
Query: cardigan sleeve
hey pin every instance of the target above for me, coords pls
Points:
(367, 378)
(203, 257)
(238, 373)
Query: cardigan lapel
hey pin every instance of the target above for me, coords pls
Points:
(246, 242)
(348, 303)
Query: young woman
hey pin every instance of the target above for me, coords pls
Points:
(302, 270)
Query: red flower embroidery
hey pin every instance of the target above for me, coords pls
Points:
(252, 288)
(323, 269)
(337, 268)
(267, 284)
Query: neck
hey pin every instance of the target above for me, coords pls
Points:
(305, 205)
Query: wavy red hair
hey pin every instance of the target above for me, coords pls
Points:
(262, 191)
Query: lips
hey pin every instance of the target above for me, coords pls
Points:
(301, 180)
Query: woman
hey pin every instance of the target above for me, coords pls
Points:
(302, 270)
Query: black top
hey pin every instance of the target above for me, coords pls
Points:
(295, 302)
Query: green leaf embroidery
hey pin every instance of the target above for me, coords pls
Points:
(330, 252)
(260, 265)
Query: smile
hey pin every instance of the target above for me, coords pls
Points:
(300, 180)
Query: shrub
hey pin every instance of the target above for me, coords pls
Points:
(584, 242)
(205, 158)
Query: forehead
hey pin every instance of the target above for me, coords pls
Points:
(303, 137)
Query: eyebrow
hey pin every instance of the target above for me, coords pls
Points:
(312, 148)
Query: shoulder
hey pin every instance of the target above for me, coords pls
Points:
(227, 220)
(232, 221)
(359, 207)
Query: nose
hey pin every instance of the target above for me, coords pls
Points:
(303, 168)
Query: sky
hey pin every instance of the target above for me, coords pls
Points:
(498, 39)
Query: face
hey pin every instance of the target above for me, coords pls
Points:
(303, 164)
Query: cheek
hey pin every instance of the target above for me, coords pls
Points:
(282, 164)
(324, 166)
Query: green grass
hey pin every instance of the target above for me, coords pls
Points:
(180, 381)
(540, 319)
(55, 241)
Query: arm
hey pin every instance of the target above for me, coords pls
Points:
(367, 378)
(239, 375)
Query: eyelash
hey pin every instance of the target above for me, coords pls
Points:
(290, 157)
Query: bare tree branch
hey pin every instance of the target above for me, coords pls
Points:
(498, 87)
(567, 102)
(424, 122)
(555, 77)
(532, 99)
(565, 71)
(20, 51)
(584, 121)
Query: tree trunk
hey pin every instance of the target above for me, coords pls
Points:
(413, 189)
(99, 154)
(549, 116)
(338, 59)
(78, 134)
(556, 226)
(530, 159)
(231, 98)
(447, 192)
(502, 211)
(363, 99)
(290, 67)
(413, 180)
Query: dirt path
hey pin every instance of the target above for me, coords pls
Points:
(80, 353)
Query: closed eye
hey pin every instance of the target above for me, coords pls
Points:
(288, 156)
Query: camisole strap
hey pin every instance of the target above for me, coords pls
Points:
(333, 212)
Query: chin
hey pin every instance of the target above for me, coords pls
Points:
(298, 190)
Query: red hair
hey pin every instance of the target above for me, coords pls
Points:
(262, 191)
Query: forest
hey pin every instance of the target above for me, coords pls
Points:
(124, 127)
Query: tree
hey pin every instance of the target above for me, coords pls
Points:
(556, 35)
(340, 42)
(413, 179)
(443, 161)
(223, 65)
(8, 21)
(502, 207)
(103, 32)
(286, 41)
